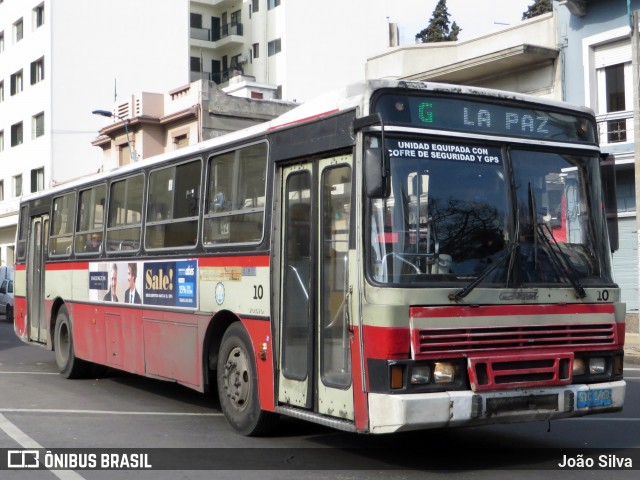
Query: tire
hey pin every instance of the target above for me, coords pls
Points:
(238, 385)
(9, 314)
(68, 364)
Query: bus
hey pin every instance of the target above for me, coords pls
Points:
(392, 256)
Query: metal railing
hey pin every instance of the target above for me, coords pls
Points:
(213, 35)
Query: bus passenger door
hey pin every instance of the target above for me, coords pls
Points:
(38, 240)
(314, 362)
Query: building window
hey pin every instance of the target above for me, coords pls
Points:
(16, 83)
(37, 71)
(236, 18)
(17, 185)
(255, 6)
(1, 190)
(195, 64)
(196, 20)
(615, 102)
(1, 91)
(38, 16)
(180, 141)
(16, 134)
(1, 41)
(18, 31)
(272, 4)
(256, 50)
(257, 95)
(275, 46)
(37, 125)
(1, 140)
(37, 180)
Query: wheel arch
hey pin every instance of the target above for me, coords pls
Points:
(55, 308)
(219, 324)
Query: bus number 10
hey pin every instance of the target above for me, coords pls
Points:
(258, 292)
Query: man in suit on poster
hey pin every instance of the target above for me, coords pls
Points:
(131, 295)
(111, 294)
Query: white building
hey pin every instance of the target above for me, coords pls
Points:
(293, 49)
(59, 60)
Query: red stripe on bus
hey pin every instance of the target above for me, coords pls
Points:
(67, 266)
(20, 267)
(392, 343)
(502, 310)
(239, 261)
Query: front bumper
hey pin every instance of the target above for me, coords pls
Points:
(395, 413)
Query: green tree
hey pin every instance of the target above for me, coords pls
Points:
(439, 29)
(537, 8)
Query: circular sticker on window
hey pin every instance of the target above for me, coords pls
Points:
(219, 293)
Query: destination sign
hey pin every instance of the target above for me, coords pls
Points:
(465, 115)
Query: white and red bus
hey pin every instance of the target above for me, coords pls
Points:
(395, 256)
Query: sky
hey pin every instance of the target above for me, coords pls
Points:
(474, 17)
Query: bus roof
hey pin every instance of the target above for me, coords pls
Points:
(345, 98)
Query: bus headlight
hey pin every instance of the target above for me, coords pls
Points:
(597, 366)
(444, 373)
(421, 375)
(578, 367)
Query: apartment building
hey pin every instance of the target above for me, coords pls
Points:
(288, 49)
(524, 58)
(59, 61)
(149, 124)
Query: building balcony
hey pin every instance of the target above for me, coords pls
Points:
(215, 3)
(195, 76)
(226, 35)
(615, 128)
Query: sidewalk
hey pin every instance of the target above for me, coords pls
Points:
(632, 348)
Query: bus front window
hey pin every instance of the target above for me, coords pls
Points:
(446, 217)
(556, 222)
(461, 212)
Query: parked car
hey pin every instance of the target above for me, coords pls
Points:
(6, 293)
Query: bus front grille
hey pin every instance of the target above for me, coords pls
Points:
(473, 339)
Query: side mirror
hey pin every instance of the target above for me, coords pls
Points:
(608, 178)
(376, 173)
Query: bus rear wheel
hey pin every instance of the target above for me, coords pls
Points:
(68, 364)
(238, 384)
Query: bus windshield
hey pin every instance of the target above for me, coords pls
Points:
(512, 216)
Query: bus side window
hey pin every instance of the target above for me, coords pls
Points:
(61, 238)
(236, 196)
(172, 211)
(125, 214)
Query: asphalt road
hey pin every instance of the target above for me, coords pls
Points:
(39, 409)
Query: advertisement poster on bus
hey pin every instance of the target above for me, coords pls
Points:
(170, 284)
(167, 283)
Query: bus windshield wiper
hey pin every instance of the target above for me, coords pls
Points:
(507, 254)
(560, 262)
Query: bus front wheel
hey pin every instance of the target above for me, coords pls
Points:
(238, 384)
(68, 364)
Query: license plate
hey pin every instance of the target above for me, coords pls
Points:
(600, 397)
